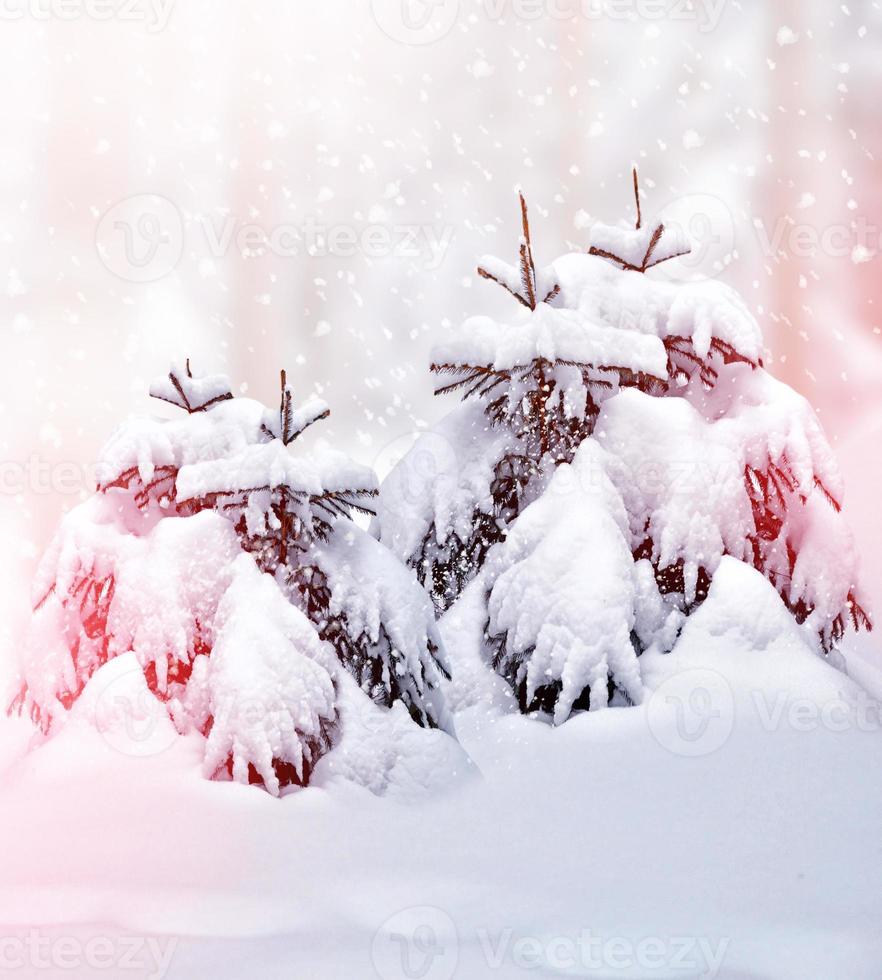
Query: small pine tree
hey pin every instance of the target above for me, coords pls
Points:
(666, 377)
(229, 565)
(541, 382)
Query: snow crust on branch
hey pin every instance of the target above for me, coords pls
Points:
(271, 465)
(690, 486)
(628, 301)
(562, 590)
(271, 694)
(553, 335)
(443, 479)
(228, 569)
(637, 249)
(191, 393)
(381, 600)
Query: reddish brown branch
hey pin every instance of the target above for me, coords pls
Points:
(637, 200)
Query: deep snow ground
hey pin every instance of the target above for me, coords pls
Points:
(734, 834)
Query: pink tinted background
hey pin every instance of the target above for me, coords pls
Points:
(765, 126)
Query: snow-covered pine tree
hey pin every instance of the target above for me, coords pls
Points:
(707, 454)
(533, 387)
(232, 569)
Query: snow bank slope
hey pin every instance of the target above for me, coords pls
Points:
(737, 830)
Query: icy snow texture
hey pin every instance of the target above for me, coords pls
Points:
(118, 704)
(554, 335)
(153, 591)
(146, 444)
(270, 681)
(745, 629)
(374, 591)
(683, 486)
(638, 303)
(562, 587)
(632, 245)
(771, 421)
(510, 276)
(190, 393)
(223, 449)
(384, 751)
(442, 481)
(260, 681)
(682, 477)
(269, 466)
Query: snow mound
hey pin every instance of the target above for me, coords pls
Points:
(383, 751)
(745, 633)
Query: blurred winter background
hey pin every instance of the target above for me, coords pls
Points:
(310, 185)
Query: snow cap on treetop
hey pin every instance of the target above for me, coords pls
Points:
(640, 248)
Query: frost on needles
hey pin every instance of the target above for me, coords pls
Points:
(231, 568)
(618, 436)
